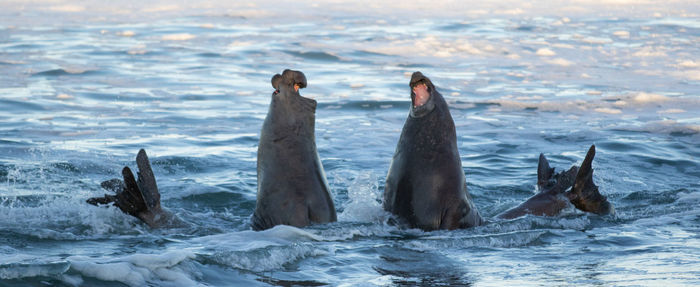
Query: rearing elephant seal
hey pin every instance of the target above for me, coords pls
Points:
(426, 184)
(292, 187)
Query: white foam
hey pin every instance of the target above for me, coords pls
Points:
(58, 218)
(137, 269)
(127, 33)
(67, 8)
(121, 272)
(622, 34)
(545, 52)
(64, 97)
(364, 204)
(560, 62)
(178, 37)
(649, 98)
(608, 111)
(689, 64)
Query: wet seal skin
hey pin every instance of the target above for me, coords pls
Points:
(292, 186)
(426, 186)
(574, 186)
(138, 197)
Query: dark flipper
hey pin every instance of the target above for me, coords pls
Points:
(114, 185)
(107, 199)
(147, 181)
(130, 200)
(584, 194)
(139, 198)
(544, 172)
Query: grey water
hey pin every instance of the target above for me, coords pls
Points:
(80, 94)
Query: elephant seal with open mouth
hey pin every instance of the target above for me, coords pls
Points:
(425, 185)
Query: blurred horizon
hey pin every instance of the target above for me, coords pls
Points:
(58, 12)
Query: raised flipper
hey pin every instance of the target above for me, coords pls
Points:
(130, 200)
(544, 172)
(139, 198)
(584, 194)
(147, 181)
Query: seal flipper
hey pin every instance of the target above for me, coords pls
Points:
(584, 195)
(147, 181)
(114, 185)
(130, 200)
(544, 172)
(107, 199)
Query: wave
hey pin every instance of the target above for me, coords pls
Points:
(16, 270)
(21, 106)
(66, 72)
(315, 56)
(366, 105)
(260, 251)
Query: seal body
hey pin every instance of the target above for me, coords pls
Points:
(292, 186)
(426, 186)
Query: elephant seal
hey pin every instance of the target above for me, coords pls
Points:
(426, 186)
(292, 186)
(139, 198)
(557, 191)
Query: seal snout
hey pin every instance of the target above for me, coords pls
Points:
(276, 81)
(421, 87)
(289, 78)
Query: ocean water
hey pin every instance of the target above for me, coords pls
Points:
(84, 85)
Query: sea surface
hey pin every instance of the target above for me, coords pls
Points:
(84, 86)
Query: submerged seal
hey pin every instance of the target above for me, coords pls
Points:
(292, 186)
(139, 198)
(574, 186)
(426, 185)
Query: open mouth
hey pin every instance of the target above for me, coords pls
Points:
(421, 94)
